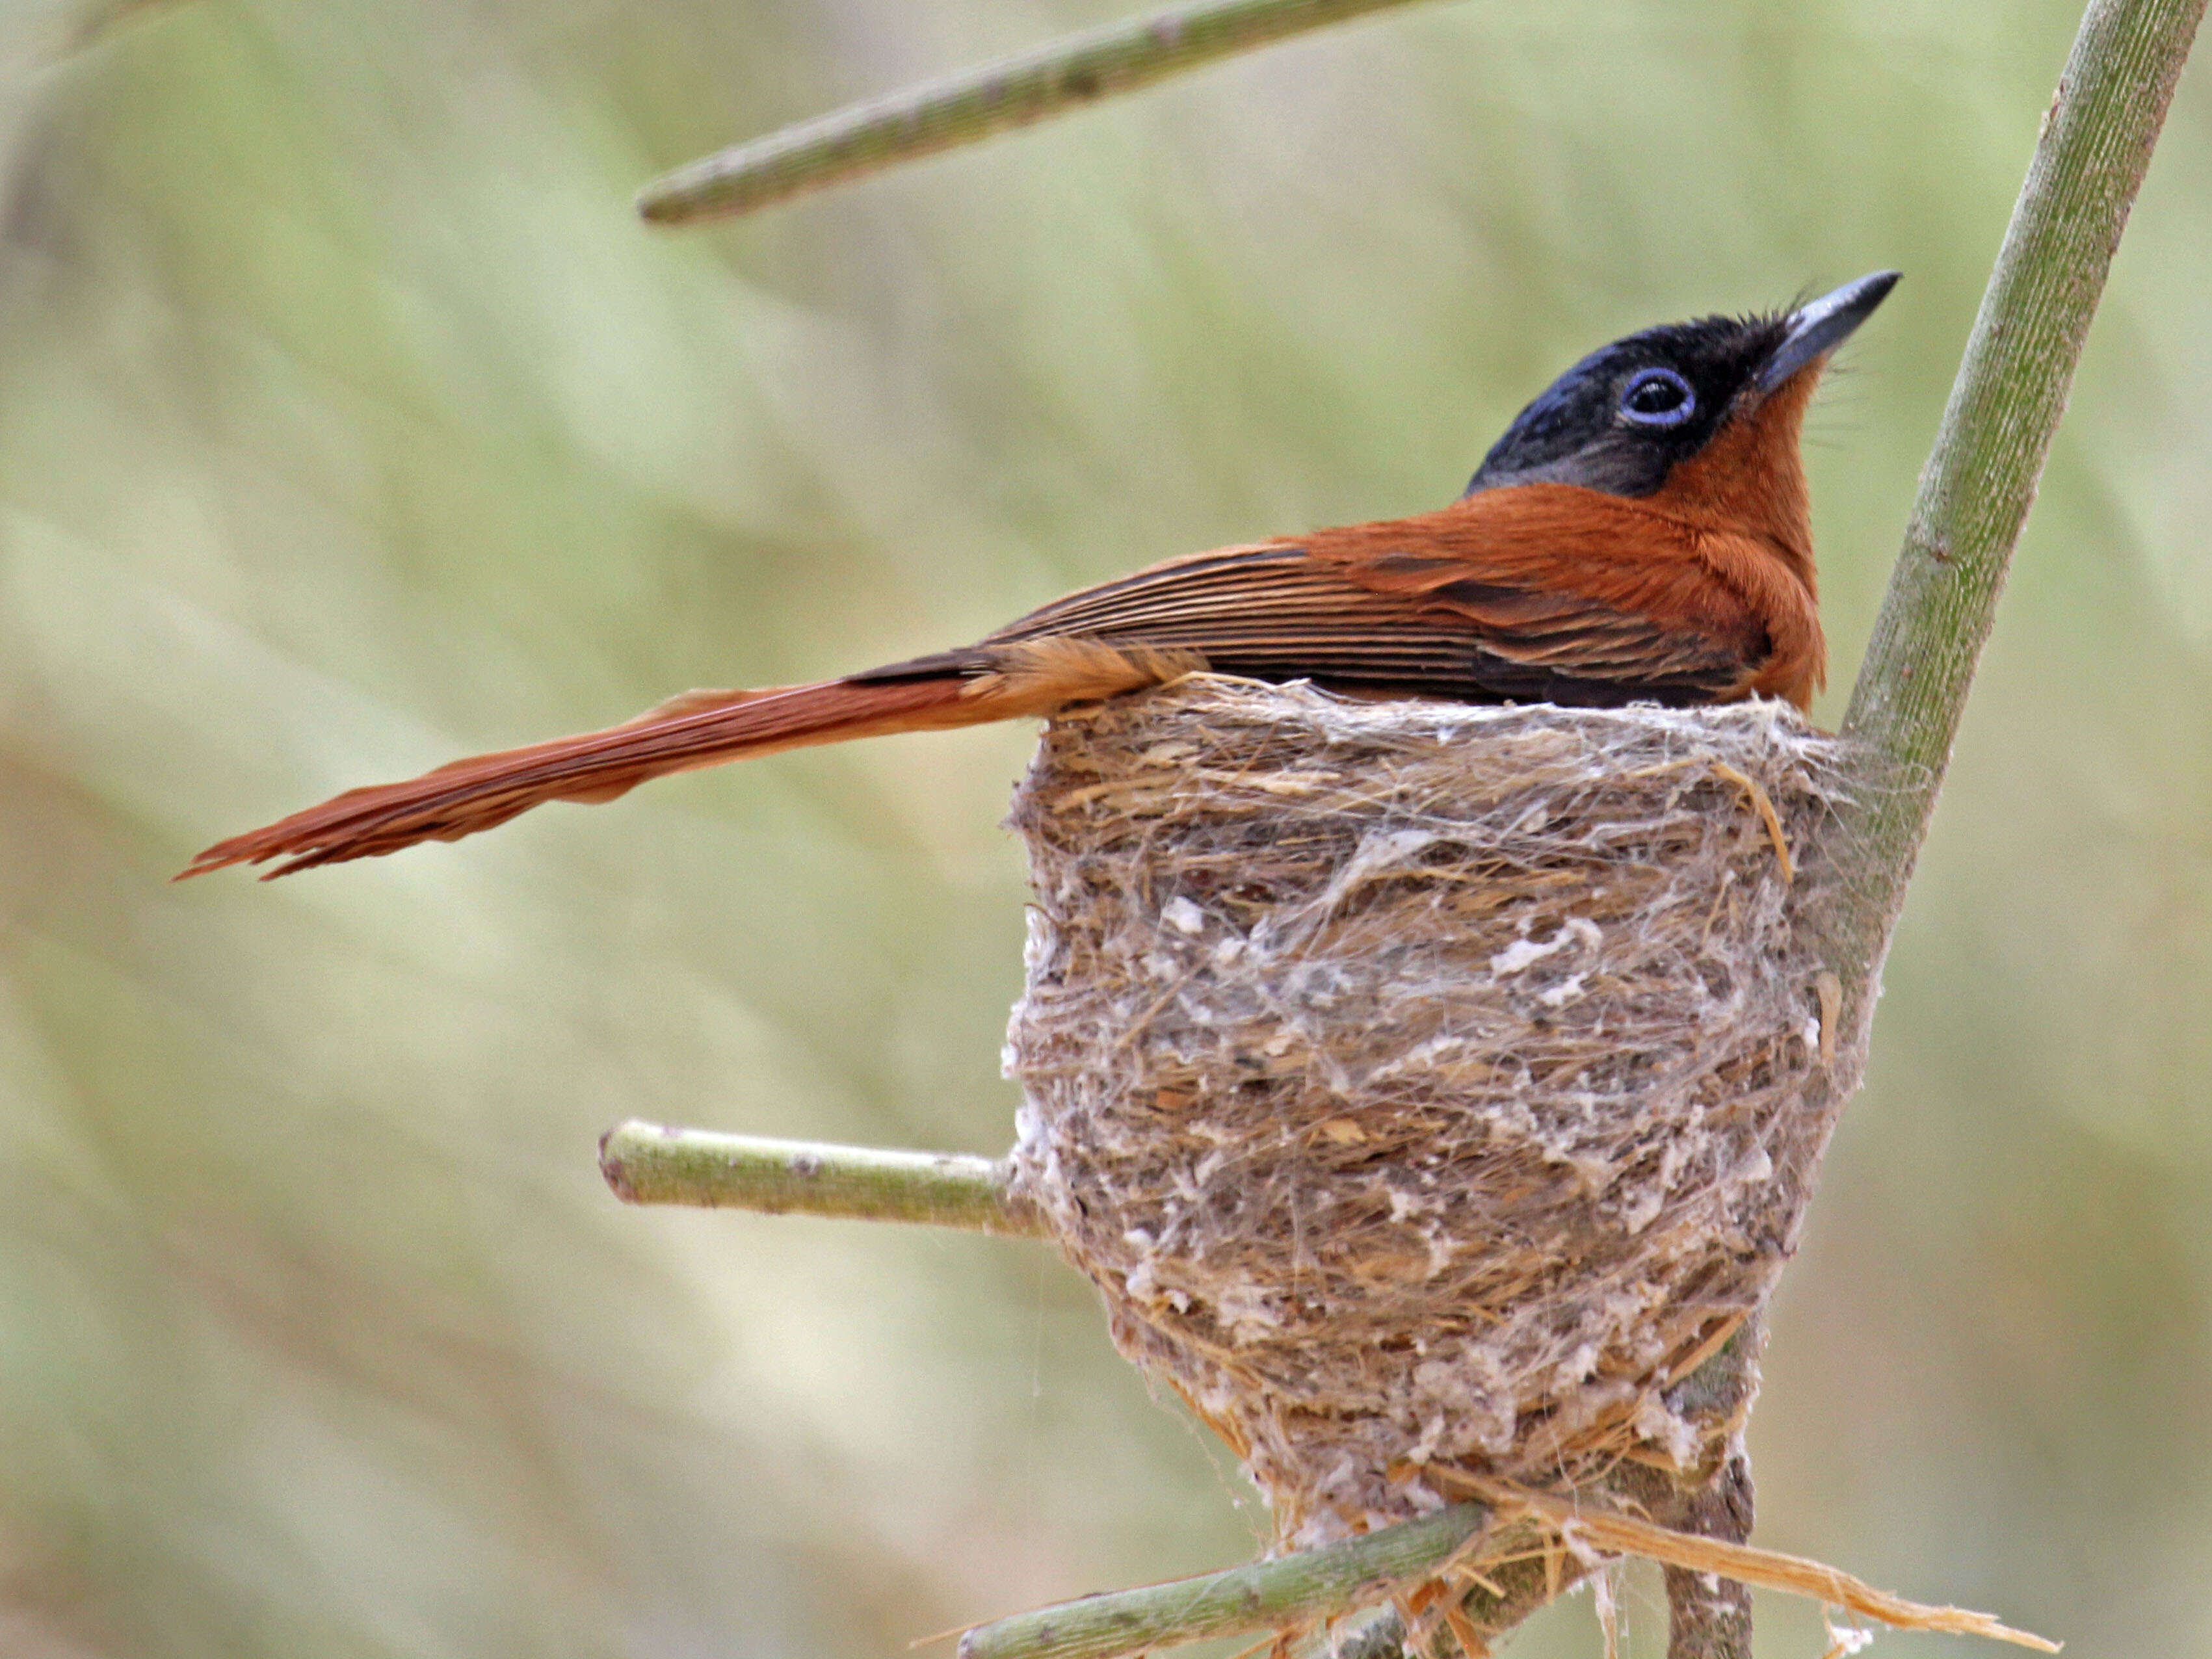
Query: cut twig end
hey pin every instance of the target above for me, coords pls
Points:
(612, 1170)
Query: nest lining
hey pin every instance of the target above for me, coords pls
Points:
(1426, 1087)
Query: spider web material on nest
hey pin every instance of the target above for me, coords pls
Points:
(1426, 1087)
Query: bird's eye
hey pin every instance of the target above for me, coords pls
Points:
(1657, 397)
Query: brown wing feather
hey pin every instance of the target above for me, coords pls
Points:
(1466, 603)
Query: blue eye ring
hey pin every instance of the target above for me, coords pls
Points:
(1657, 397)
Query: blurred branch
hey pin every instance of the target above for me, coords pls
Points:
(646, 1164)
(1980, 481)
(973, 104)
(96, 21)
(1289, 1590)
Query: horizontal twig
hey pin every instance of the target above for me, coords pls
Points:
(648, 1163)
(1289, 1590)
(973, 104)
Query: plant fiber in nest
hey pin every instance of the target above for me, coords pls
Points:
(1426, 1087)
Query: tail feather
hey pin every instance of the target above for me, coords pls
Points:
(699, 728)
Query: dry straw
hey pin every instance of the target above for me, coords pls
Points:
(1428, 1089)
(1595, 1534)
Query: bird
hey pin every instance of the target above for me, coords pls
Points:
(1640, 533)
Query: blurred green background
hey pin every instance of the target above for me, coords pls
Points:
(350, 421)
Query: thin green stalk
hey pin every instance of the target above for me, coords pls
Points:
(1980, 481)
(959, 109)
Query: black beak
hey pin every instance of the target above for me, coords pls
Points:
(1818, 328)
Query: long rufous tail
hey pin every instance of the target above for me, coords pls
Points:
(699, 728)
(992, 680)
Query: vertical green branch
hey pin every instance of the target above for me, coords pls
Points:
(1981, 478)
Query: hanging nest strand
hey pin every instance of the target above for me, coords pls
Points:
(1428, 1089)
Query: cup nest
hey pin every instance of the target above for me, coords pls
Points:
(1427, 1088)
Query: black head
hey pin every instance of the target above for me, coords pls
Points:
(1620, 419)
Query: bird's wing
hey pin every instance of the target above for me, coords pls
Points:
(1478, 606)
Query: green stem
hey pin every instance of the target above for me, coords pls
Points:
(646, 1164)
(1981, 479)
(961, 108)
(1291, 1589)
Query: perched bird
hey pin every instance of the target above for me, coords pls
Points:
(1640, 533)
